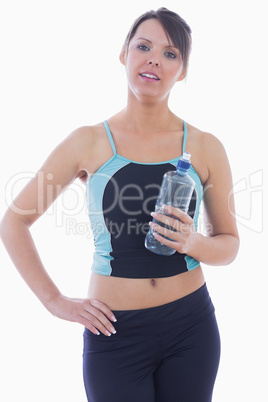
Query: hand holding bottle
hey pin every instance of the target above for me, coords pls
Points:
(182, 236)
(176, 190)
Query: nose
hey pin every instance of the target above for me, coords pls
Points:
(153, 59)
(154, 63)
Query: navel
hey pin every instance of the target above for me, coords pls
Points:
(153, 282)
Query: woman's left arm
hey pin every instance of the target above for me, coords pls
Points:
(220, 244)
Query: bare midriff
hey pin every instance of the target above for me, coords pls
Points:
(132, 294)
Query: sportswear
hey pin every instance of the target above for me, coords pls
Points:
(166, 353)
(120, 197)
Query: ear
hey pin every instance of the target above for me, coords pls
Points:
(182, 76)
(123, 55)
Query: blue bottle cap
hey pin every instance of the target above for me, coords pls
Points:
(185, 162)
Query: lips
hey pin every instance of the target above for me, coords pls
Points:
(150, 75)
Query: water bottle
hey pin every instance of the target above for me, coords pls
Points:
(176, 190)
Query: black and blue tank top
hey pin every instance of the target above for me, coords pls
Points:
(120, 198)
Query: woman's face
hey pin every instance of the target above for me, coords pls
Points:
(153, 64)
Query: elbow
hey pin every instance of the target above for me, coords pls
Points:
(9, 224)
(4, 227)
(225, 252)
(233, 250)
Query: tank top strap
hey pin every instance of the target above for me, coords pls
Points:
(184, 136)
(109, 134)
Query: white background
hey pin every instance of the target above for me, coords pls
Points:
(60, 70)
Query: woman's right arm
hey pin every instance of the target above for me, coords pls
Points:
(61, 168)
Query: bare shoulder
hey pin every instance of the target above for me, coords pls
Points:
(207, 151)
(90, 147)
(205, 140)
(86, 135)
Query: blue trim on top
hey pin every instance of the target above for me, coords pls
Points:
(185, 132)
(108, 131)
(191, 263)
(174, 161)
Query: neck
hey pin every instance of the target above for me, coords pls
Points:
(147, 116)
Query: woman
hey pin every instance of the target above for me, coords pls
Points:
(150, 328)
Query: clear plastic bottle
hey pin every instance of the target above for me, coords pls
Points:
(176, 190)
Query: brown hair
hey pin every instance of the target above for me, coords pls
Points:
(176, 28)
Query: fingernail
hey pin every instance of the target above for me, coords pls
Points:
(97, 332)
(114, 319)
(153, 214)
(108, 333)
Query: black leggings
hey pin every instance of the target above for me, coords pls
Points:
(168, 353)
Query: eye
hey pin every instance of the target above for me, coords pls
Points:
(171, 55)
(143, 47)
